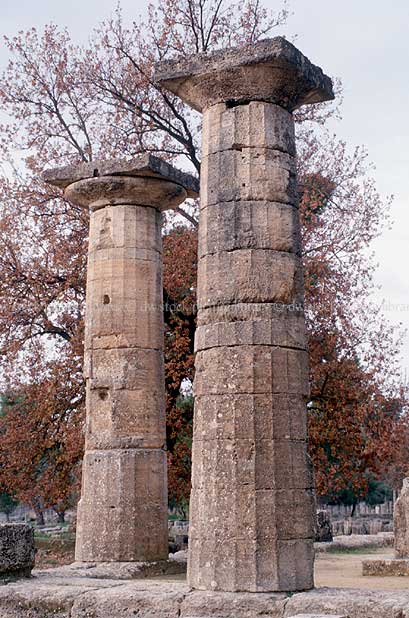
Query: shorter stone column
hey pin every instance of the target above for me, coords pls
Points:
(122, 514)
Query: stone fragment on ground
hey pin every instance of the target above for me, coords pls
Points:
(119, 570)
(356, 541)
(17, 550)
(351, 603)
(395, 567)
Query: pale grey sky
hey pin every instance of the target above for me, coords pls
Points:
(366, 44)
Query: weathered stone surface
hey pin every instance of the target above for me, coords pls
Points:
(356, 541)
(122, 514)
(401, 522)
(243, 312)
(251, 565)
(148, 600)
(247, 279)
(128, 227)
(96, 193)
(352, 603)
(280, 331)
(78, 597)
(124, 279)
(144, 165)
(272, 70)
(232, 605)
(398, 567)
(16, 550)
(318, 616)
(324, 527)
(252, 505)
(249, 174)
(256, 125)
(253, 465)
(251, 369)
(125, 399)
(248, 416)
(249, 225)
(118, 570)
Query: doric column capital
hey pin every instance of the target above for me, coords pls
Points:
(142, 181)
(272, 70)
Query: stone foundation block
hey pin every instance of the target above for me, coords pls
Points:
(200, 604)
(17, 550)
(397, 567)
(46, 596)
(351, 603)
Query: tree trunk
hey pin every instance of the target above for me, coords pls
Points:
(39, 516)
(61, 517)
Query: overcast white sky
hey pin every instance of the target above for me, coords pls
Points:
(366, 44)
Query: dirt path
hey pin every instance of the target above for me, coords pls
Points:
(345, 571)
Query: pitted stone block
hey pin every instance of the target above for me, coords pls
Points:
(243, 312)
(124, 301)
(244, 564)
(17, 550)
(251, 369)
(228, 226)
(259, 464)
(285, 333)
(256, 125)
(249, 174)
(128, 227)
(318, 616)
(240, 277)
(248, 416)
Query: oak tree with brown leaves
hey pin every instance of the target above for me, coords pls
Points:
(67, 103)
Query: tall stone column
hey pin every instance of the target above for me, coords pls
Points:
(122, 514)
(252, 504)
